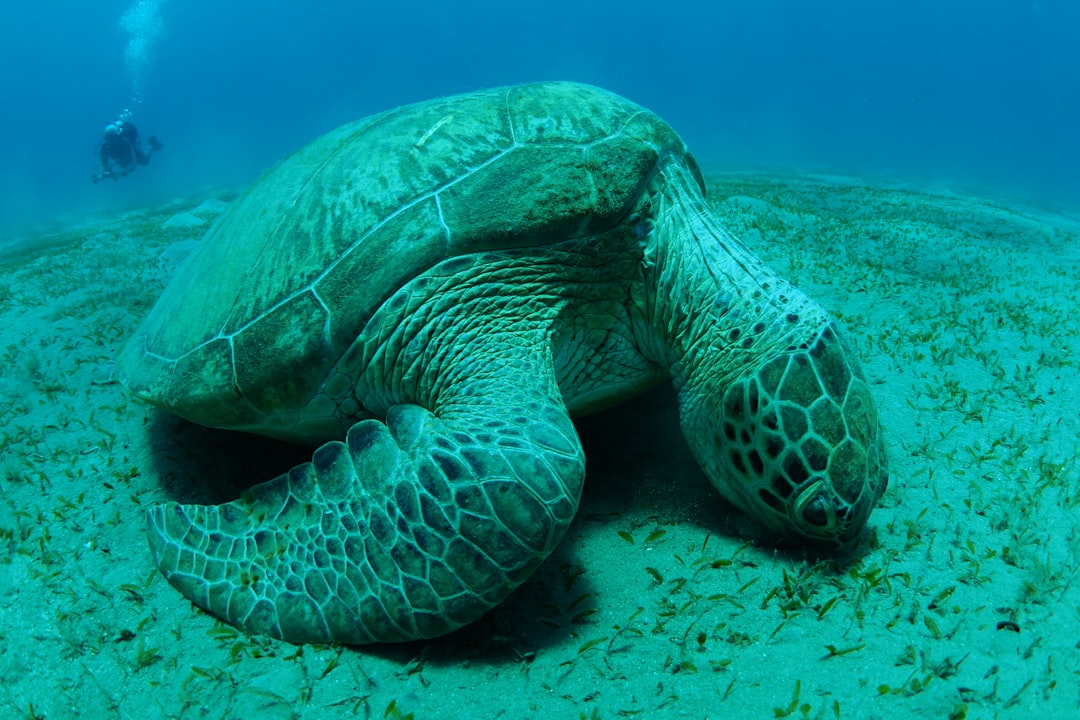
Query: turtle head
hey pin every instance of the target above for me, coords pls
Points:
(794, 441)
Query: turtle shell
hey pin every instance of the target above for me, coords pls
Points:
(289, 275)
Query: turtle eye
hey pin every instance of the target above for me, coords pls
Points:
(815, 512)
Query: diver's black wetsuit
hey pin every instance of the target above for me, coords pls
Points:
(121, 150)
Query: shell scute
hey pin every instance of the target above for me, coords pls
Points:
(416, 233)
(282, 354)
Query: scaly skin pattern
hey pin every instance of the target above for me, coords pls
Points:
(420, 523)
(410, 528)
(433, 292)
(773, 403)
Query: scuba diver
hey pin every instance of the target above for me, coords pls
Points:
(121, 150)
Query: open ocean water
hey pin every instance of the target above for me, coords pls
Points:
(974, 94)
(913, 166)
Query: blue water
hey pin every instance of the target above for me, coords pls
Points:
(974, 93)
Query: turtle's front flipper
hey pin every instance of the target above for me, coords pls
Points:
(409, 529)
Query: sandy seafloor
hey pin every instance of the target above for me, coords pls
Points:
(662, 602)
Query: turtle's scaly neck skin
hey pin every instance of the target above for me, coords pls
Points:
(772, 401)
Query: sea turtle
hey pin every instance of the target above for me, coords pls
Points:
(432, 292)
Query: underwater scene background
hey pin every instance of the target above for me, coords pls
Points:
(913, 166)
(975, 94)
